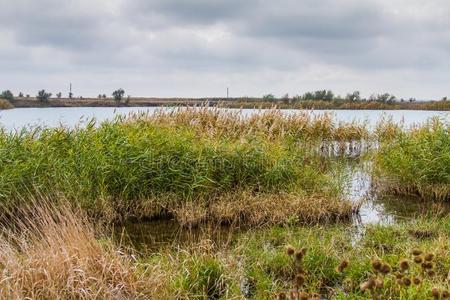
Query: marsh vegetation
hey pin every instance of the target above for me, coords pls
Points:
(277, 182)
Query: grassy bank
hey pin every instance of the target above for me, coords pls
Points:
(416, 162)
(188, 164)
(55, 253)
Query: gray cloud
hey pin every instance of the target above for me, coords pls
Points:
(201, 46)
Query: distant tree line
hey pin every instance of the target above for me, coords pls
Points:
(45, 96)
(328, 95)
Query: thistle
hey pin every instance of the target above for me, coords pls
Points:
(429, 257)
(376, 265)
(342, 266)
(435, 293)
(404, 265)
(299, 280)
(290, 250)
(417, 280)
(416, 252)
(406, 281)
(418, 259)
(385, 269)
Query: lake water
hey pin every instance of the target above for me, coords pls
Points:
(18, 118)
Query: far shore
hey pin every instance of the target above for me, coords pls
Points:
(232, 103)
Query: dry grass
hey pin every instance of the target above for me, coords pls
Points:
(271, 124)
(4, 104)
(52, 253)
(250, 209)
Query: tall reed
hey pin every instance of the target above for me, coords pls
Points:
(416, 161)
(164, 161)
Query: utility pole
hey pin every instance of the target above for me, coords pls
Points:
(70, 91)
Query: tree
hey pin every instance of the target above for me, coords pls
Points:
(326, 95)
(20, 95)
(385, 98)
(104, 96)
(286, 99)
(269, 97)
(329, 95)
(43, 96)
(7, 95)
(59, 95)
(118, 94)
(355, 96)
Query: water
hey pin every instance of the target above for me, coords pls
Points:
(18, 118)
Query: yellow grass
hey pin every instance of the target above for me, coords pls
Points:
(53, 253)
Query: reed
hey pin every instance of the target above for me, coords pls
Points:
(416, 161)
(172, 161)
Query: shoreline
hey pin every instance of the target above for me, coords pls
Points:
(232, 103)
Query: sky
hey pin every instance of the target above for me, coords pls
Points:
(198, 48)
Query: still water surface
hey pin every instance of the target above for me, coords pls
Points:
(18, 118)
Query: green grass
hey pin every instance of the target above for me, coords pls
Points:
(416, 161)
(259, 257)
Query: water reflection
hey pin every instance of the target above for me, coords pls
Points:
(374, 209)
(154, 235)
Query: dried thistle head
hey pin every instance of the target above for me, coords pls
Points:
(406, 281)
(367, 285)
(282, 296)
(299, 256)
(429, 256)
(290, 250)
(418, 259)
(376, 264)
(417, 280)
(385, 269)
(379, 283)
(342, 266)
(416, 252)
(427, 265)
(435, 293)
(315, 297)
(431, 273)
(299, 280)
(404, 265)
(446, 294)
(303, 295)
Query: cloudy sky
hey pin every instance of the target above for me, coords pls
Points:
(197, 48)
